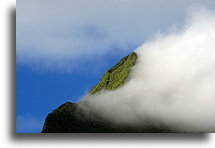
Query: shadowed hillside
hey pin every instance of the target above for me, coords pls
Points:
(69, 118)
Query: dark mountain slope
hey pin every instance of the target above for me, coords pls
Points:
(69, 118)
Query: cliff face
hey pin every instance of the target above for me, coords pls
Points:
(69, 118)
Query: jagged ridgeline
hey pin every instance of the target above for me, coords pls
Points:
(69, 118)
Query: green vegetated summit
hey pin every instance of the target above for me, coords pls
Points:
(116, 75)
(69, 118)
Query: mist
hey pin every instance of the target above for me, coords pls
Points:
(172, 82)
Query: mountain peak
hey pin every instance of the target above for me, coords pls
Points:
(70, 118)
(116, 75)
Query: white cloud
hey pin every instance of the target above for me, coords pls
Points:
(64, 34)
(172, 82)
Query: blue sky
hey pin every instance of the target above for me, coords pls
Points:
(38, 92)
(64, 47)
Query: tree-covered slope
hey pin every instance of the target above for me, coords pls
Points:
(116, 75)
(69, 118)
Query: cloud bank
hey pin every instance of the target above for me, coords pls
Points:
(172, 82)
(68, 34)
